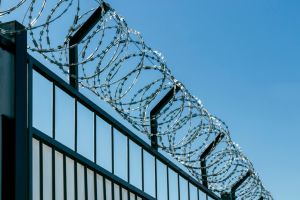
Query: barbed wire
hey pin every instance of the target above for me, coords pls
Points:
(116, 65)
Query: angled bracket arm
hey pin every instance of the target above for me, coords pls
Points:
(77, 37)
(205, 153)
(239, 183)
(153, 114)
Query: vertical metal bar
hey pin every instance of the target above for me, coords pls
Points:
(85, 183)
(75, 166)
(22, 147)
(73, 71)
(22, 151)
(189, 195)
(53, 134)
(143, 178)
(53, 174)
(95, 138)
(65, 177)
(19, 168)
(30, 86)
(153, 126)
(53, 110)
(41, 171)
(112, 190)
(95, 185)
(112, 150)
(121, 196)
(204, 172)
(95, 154)
(155, 182)
(128, 160)
(75, 125)
(75, 180)
(168, 186)
(104, 188)
(178, 185)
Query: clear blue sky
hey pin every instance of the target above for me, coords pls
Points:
(242, 59)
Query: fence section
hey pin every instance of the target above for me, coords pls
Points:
(83, 140)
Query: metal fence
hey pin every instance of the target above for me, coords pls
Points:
(113, 164)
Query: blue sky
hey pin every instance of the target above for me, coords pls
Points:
(242, 59)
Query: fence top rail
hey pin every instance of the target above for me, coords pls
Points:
(40, 68)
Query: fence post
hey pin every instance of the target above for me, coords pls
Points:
(15, 169)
